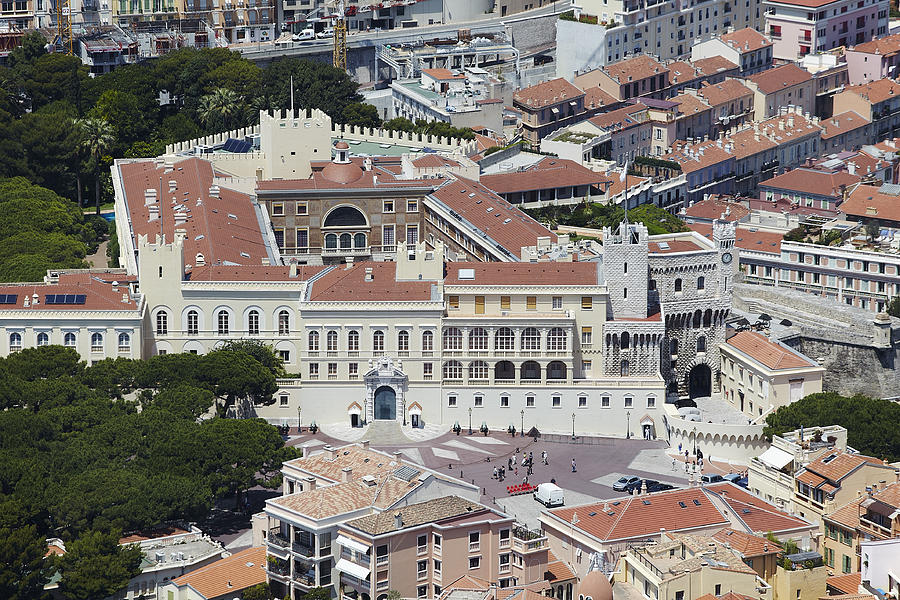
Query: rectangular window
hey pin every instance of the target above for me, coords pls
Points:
(629, 402)
(353, 370)
(479, 401)
(387, 235)
(279, 238)
(436, 543)
(453, 302)
(557, 302)
(422, 544)
(479, 305)
(504, 401)
(303, 238)
(587, 334)
(651, 402)
(474, 541)
(504, 303)
(474, 562)
(412, 235)
(278, 209)
(587, 302)
(845, 564)
(604, 402)
(556, 401)
(531, 302)
(285, 355)
(586, 367)
(529, 401)
(388, 206)
(451, 401)
(302, 208)
(422, 591)
(412, 206)
(582, 401)
(427, 371)
(332, 370)
(313, 370)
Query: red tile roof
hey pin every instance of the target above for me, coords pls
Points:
(842, 123)
(672, 246)
(548, 173)
(713, 208)
(344, 176)
(773, 80)
(255, 273)
(869, 202)
(714, 65)
(766, 352)
(845, 584)
(634, 69)
(887, 45)
(835, 466)
(442, 74)
(747, 544)
(745, 40)
(730, 90)
(811, 181)
(434, 161)
(875, 91)
(525, 274)
(757, 514)
(806, 3)
(505, 224)
(228, 575)
(594, 97)
(681, 71)
(547, 93)
(689, 104)
(348, 284)
(619, 119)
(97, 288)
(747, 239)
(222, 229)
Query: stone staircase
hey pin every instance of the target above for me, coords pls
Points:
(385, 433)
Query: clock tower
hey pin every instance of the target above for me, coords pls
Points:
(723, 238)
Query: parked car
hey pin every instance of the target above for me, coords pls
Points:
(307, 34)
(326, 33)
(624, 483)
(736, 479)
(660, 487)
(711, 479)
(549, 494)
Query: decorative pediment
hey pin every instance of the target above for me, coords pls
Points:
(384, 367)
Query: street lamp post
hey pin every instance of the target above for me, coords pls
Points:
(299, 408)
(522, 430)
(628, 425)
(470, 420)
(695, 441)
(573, 426)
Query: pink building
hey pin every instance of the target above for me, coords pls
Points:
(873, 60)
(801, 27)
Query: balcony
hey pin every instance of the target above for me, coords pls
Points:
(803, 39)
(275, 566)
(303, 549)
(528, 540)
(276, 539)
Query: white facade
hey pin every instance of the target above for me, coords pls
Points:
(881, 565)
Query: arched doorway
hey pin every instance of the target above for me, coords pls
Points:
(700, 381)
(385, 403)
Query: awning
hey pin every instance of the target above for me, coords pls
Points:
(775, 458)
(352, 544)
(345, 566)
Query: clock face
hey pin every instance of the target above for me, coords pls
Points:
(726, 258)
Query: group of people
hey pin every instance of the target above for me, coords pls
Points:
(527, 463)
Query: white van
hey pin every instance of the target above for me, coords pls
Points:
(549, 494)
(307, 34)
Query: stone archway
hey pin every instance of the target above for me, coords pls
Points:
(385, 404)
(699, 381)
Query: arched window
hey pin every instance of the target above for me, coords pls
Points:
(224, 322)
(403, 341)
(331, 240)
(624, 369)
(124, 342)
(478, 339)
(96, 341)
(193, 322)
(697, 317)
(312, 341)
(673, 347)
(504, 339)
(626, 341)
(43, 339)
(453, 370)
(556, 370)
(253, 322)
(452, 339)
(346, 241)
(701, 343)
(428, 341)
(15, 342)
(284, 322)
(359, 240)
(504, 371)
(378, 341)
(478, 370)
(353, 341)
(557, 339)
(162, 323)
(677, 285)
(707, 318)
(331, 341)
(531, 370)
(69, 340)
(531, 339)
(345, 216)
(701, 283)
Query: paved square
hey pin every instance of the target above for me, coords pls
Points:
(441, 453)
(464, 446)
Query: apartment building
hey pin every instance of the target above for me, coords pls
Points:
(221, 579)
(786, 85)
(556, 180)
(689, 565)
(873, 60)
(445, 539)
(834, 479)
(325, 490)
(879, 557)
(731, 102)
(548, 106)
(805, 191)
(18, 15)
(830, 75)
(634, 77)
(799, 27)
(846, 131)
(234, 21)
(878, 101)
(747, 48)
(758, 552)
(695, 117)
(873, 516)
(760, 375)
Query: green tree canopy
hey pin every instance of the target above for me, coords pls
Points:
(96, 566)
(873, 424)
(597, 216)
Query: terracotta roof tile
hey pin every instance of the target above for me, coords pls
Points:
(525, 274)
(772, 355)
(623, 118)
(714, 65)
(437, 510)
(681, 71)
(835, 466)
(548, 173)
(875, 91)
(746, 239)
(730, 90)
(434, 161)
(505, 224)
(842, 123)
(811, 181)
(778, 78)
(747, 544)
(848, 597)
(97, 289)
(228, 575)
(347, 283)
(845, 584)
(673, 246)
(847, 515)
(886, 46)
(869, 202)
(690, 104)
(634, 69)
(254, 273)
(713, 208)
(617, 186)
(558, 570)
(756, 513)
(547, 93)
(442, 74)
(594, 97)
(745, 40)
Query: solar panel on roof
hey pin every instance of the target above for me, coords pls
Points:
(65, 298)
(406, 473)
(237, 146)
(8, 298)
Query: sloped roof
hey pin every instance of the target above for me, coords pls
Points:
(413, 515)
(875, 91)
(723, 92)
(812, 181)
(524, 274)
(770, 354)
(870, 202)
(547, 173)
(842, 123)
(97, 289)
(714, 208)
(746, 543)
(835, 466)
(887, 45)
(757, 514)
(547, 93)
(846, 584)
(634, 69)
(773, 80)
(229, 575)
(348, 283)
(745, 40)
(714, 65)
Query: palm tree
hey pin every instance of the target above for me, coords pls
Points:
(96, 138)
(221, 105)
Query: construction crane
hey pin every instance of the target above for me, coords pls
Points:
(339, 54)
(64, 25)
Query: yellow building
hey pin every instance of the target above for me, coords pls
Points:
(870, 516)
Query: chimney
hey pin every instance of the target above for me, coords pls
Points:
(125, 298)
(310, 483)
(851, 168)
(331, 451)
(293, 271)
(364, 444)
(346, 474)
(369, 274)
(398, 520)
